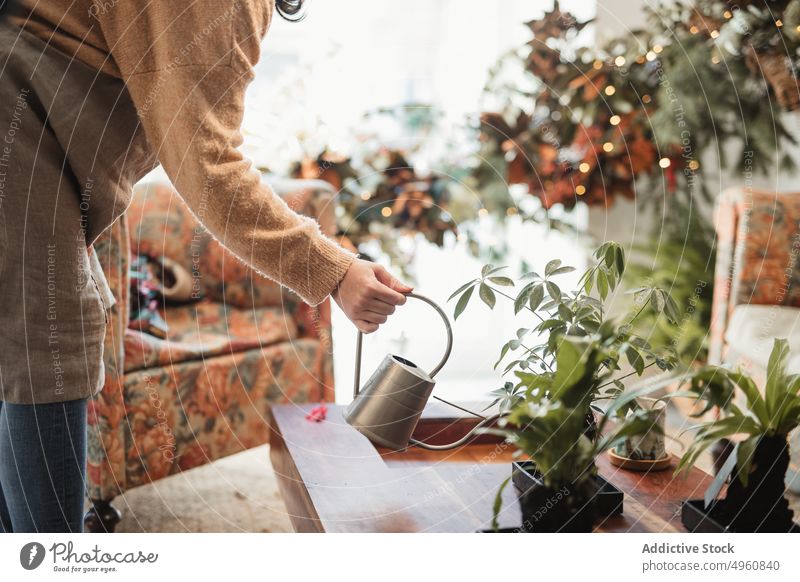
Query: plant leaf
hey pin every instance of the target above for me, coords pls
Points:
(672, 310)
(776, 377)
(620, 260)
(553, 290)
(589, 283)
(610, 256)
(642, 296)
(462, 303)
(522, 297)
(503, 352)
(498, 503)
(660, 302)
(537, 296)
(744, 458)
(552, 266)
(487, 295)
(502, 281)
(602, 284)
(625, 399)
(635, 359)
(462, 288)
(549, 324)
(754, 399)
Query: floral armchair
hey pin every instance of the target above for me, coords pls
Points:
(202, 392)
(757, 285)
(758, 259)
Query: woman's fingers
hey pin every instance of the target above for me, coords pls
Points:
(386, 294)
(368, 294)
(365, 326)
(380, 307)
(372, 317)
(387, 279)
(387, 288)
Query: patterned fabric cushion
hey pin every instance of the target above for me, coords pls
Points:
(205, 329)
(185, 415)
(162, 225)
(757, 258)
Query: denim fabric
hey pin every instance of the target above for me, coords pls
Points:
(42, 466)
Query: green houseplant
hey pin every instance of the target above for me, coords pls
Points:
(754, 500)
(679, 257)
(579, 313)
(573, 363)
(548, 424)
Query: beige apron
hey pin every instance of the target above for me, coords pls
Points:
(71, 149)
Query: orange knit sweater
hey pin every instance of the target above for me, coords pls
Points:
(186, 65)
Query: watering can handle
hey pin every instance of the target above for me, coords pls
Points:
(360, 338)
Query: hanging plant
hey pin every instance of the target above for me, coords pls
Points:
(633, 118)
(582, 132)
(384, 200)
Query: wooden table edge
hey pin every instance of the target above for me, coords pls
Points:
(295, 495)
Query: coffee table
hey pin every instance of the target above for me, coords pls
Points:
(334, 480)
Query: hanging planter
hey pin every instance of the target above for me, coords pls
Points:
(777, 69)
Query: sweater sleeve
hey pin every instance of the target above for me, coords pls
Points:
(187, 66)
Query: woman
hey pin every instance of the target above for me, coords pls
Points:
(94, 94)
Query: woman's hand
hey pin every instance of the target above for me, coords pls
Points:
(368, 294)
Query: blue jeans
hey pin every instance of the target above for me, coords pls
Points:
(42, 466)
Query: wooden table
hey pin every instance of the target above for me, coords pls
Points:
(334, 480)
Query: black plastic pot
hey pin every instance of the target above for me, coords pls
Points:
(570, 509)
(759, 507)
(716, 519)
(609, 500)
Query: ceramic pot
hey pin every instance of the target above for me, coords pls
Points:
(649, 446)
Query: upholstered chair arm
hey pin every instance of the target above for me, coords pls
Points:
(758, 243)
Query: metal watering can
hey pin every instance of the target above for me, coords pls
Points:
(387, 409)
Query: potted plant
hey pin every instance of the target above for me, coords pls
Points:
(647, 451)
(573, 364)
(556, 312)
(548, 425)
(754, 501)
